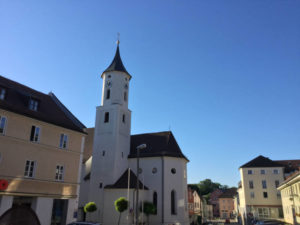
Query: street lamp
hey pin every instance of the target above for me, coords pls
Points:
(138, 148)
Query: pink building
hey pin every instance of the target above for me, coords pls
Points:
(226, 203)
(214, 201)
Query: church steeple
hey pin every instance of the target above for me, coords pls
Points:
(117, 64)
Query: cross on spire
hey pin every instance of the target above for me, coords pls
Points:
(118, 38)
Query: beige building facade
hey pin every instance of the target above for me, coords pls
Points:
(258, 194)
(41, 146)
(290, 196)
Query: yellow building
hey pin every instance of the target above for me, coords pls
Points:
(258, 194)
(41, 146)
(290, 195)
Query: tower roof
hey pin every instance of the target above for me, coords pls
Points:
(117, 64)
(261, 161)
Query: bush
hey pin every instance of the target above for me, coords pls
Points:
(90, 207)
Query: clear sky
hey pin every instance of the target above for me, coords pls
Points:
(223, 75)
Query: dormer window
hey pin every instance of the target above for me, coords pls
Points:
(2, 93)
(33, 104)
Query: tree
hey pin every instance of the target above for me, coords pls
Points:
(90, 207)
(121, 204)
(149, 209)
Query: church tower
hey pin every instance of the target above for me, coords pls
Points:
(112, 133)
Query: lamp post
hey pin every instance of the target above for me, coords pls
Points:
(138, 148)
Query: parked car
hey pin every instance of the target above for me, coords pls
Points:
(84, 223)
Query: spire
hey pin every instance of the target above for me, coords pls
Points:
(117, 64)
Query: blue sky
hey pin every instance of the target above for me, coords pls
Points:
(222, 75)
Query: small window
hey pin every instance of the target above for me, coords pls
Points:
(106, 117)
(125, 96)
(251, 186)
(123, 118)
(140, 170)
(276, 171)
(2, 93)
(262, 172)
(108, 94)
(252, 194)
(250, 172)
(109, 76)
(276, 183)
(100, 185)
(33, 104)
(59, 173)
(63, 141)
(29, 169)
(264, 184)
(2, 124)
(103, 153)
(173, 170)
(155, 202)
(35, 134)
(154, 170)
(122, 155)
(173, 202)
(265, 194)
(278, 195)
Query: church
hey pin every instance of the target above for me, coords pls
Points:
(111, 153)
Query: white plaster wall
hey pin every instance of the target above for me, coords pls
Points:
(72, 207)
(117, 88)
(43, 208)
(111, 216)
(5, 203)
(112, 137)
(84, 185)
(177, 182)
(154, 182)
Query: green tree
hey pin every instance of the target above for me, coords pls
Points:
(90, 207)
(149, 209)
(121, 204)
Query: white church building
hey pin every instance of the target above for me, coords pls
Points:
(110, 162)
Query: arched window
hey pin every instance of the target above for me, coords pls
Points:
(107, 93)
(173, 202)
(155, 201)
(106, 117)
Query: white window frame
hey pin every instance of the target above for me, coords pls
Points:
(59, 172)
(277, 171)
(4, 127)
(28, 170)
(63, 140)
(250, 172)
(34, 135)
